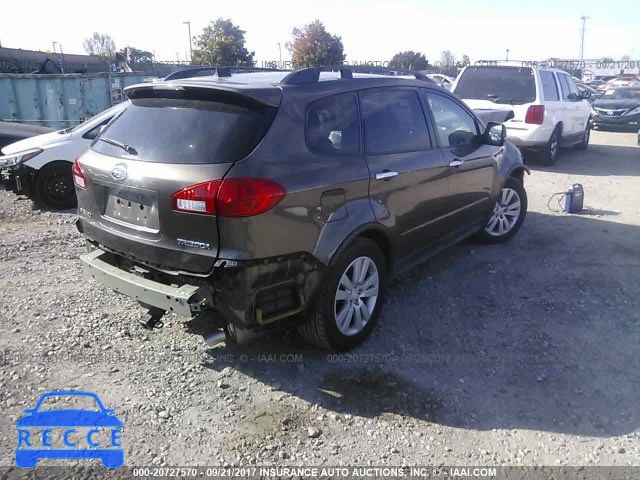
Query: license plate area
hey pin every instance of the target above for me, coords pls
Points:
(132, 208)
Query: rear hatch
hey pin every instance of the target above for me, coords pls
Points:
(498, 88)
(148, 176)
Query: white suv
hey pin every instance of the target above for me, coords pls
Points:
(549, 112)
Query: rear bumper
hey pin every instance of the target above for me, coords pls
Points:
(530, 136)
(184, 300)
(250, 295)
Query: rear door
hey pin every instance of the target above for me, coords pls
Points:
(408, 186)
(471, 165)
(576, 110)
(552, 99)
(171, 141)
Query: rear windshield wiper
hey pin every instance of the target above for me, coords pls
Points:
(127, 148)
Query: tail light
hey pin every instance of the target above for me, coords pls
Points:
(78, 176)
(535, 114)
(234, 197)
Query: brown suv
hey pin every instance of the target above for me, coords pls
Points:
(262, 198)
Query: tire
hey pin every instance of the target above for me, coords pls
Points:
(54, 186)
(584, 144)
(322, 326)
(549, 155)
(511, 192)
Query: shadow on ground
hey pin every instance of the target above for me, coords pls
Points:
(541, 333)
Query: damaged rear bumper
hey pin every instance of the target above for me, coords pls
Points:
(250, 295)
(185, 300)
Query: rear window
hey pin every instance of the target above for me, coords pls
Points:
(222, 128)
(511, 85)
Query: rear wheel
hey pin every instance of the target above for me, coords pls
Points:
(584, 144)
(550, 153)
(348, 306)
(54, 186)
(508, 213)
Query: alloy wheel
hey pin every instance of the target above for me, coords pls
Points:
(356, 296)
(505, 213)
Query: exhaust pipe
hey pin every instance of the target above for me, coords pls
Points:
(215, 338)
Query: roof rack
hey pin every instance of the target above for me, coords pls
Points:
(219, 71)
(312, 74)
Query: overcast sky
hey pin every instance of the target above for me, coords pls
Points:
(371, 30)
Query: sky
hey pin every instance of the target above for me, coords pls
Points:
(371, 30)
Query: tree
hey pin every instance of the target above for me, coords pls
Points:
(466, 60)
(447, 59)
(314, 46)
(625, 58)
(137, 56)
(409, 60)
(221, 43)
(100, 45)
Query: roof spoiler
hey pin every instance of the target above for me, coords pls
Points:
(312, 74)
(218, 71)
(268, 97)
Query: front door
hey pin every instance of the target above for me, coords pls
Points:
(408, 187)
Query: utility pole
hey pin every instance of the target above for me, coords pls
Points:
(507, 55)
(280, 53)
(584, 19)
(188, 23)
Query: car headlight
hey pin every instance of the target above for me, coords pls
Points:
(18, 158)
(633, 111)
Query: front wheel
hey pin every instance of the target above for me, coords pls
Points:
(549, 155)
(349, 304)
(508, 213)
(54, 186)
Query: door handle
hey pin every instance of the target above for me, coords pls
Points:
(385, 175)
(455, 163)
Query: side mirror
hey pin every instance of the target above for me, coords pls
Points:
(495, 134)
(585, 94)
(573, 97)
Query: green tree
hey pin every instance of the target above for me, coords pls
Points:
(100, 45)
(466, 60)
(447, 59)
(221, 43)
(137, 55)
(410, 60)
(314, 46)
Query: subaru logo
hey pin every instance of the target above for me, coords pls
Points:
(119, 172)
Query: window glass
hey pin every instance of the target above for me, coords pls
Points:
(454, 126)
(332, 126)
(188, 127)
(565, 85)
(511, 85)
(549, 89)
(393, 121)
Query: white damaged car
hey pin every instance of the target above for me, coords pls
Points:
(40, 166)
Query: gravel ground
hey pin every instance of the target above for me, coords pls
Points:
(517, 354)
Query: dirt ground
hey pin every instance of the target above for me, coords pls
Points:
(524, 353)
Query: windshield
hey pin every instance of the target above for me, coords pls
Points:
(511, 85)
(217, 130)
(68, 402)
(623, 94)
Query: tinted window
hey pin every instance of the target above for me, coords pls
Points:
(499, 84)
(220, 128)
(332, 126)
(393, 121)
(454, 125)
(549, 88)
(567, 86)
